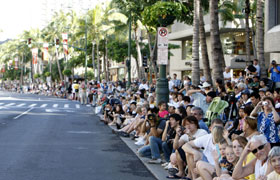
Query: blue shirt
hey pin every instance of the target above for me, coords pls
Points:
(275, 77)
(267, 126)
(202, 125)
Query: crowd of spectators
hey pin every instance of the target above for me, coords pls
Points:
(226, 131)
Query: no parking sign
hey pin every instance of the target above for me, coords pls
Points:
(162, 46)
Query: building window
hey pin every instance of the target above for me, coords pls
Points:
(235, 43)
(186, 50)
(277, 12)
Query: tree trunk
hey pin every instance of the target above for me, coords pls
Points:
(254, 44)
(21, 72)
(104, 62)
(93, 63)
(216, 45)
(107, 63)
(204, 49)
(260, 36)
(152, 54)
(98, 61)
(248, 44)
(58, 65)
(139, 58)
(195, 45)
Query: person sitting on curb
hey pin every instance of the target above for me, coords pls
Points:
(274, 160)
(154, 126)
(260, 147)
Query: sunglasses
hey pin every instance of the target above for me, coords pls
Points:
(258, 148)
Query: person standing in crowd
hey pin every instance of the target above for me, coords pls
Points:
(176, 82)
(227, 74)
(274, 69)
(257, 66)
(267, 119)
(144, 85)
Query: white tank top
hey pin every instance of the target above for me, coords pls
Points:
(260, 169)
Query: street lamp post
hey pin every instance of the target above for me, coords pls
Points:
(162, 91)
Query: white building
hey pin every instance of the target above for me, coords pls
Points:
(232, 37)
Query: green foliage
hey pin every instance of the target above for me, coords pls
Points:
(117, 50)
(155, 15)
(36, 76)
(47, 74)
(67, 72)
(90, 75)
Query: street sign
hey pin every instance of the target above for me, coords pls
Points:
(162, 46)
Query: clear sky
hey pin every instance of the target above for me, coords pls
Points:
(19, 15)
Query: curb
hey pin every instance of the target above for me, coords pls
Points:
(156, 169)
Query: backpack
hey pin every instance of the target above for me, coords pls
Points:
(215, 109)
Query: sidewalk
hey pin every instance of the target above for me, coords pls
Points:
(156, 169)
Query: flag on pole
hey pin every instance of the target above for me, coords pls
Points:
(34, 55)
(46, 52)
(65, 43)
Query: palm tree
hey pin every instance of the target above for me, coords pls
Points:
(204, 50)
(195, 45)
(248, 44)
(216, 45)
(260, 36)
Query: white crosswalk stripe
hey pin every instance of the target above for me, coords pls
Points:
(44, 105)
(77, 106)
(11, 104)
(66, 105)
(32, 105)
(20, 105)
(1, 104)
(55, 105)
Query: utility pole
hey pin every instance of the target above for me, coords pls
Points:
(86, 53)
(93, 60)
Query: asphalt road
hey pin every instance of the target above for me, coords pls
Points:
(44, 138)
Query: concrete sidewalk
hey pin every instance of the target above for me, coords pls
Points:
(156, 169)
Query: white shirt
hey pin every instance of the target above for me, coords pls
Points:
(227, 75)
(143, 86)
(260, 169)
(198, 133)
(258, 69)
(199, 100)
(206, 142)
(170, 85)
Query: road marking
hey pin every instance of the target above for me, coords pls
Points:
(32, 105)
(55, 105)
(77, 106)
(20, 105)
(23, 113)
(81, 132)
(52, 110)
(10, 104)
(44, 105)
(1, 104)
(66, 105)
